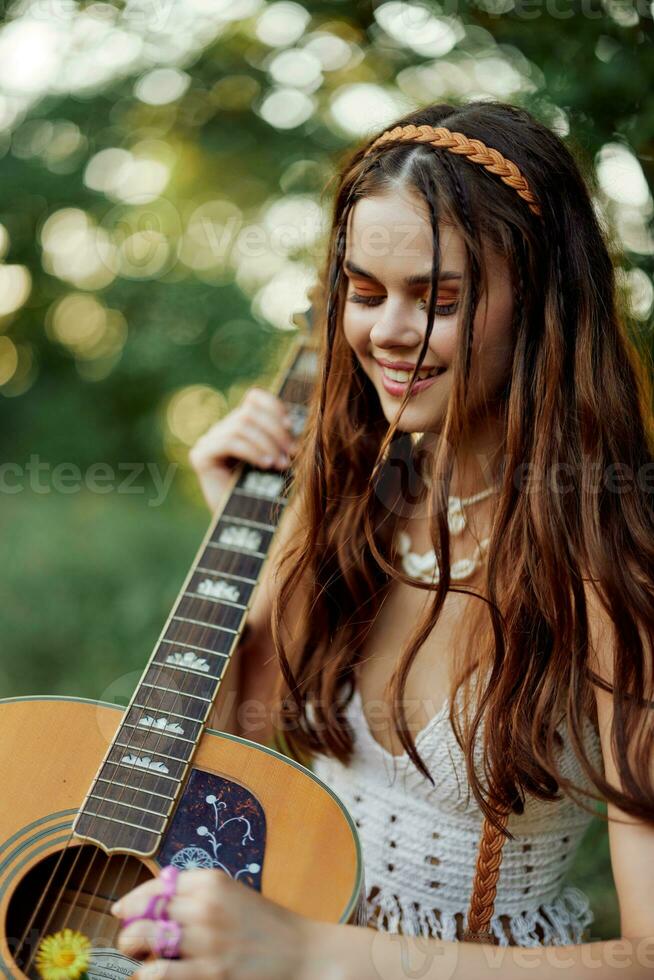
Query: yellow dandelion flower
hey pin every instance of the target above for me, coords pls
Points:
(63, 956)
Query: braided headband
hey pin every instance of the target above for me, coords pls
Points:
(474, 150)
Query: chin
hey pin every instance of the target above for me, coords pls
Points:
(414, 420)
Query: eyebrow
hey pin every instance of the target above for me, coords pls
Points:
(420, 279)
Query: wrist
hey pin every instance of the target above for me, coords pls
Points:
(335, 952)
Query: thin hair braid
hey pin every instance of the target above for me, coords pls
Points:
(466, 217)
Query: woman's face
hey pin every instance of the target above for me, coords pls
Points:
(387, 263)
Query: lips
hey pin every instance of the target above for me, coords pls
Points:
(398, 388)
(407, 365)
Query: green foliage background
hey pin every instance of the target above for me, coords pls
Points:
(88, 578)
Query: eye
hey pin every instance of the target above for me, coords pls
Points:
(366, 299)
(443, 309)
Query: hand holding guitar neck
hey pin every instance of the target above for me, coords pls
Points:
(258, 432)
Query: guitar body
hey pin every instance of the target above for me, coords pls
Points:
(243, 808)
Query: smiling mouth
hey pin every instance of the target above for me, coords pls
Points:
(403, 377)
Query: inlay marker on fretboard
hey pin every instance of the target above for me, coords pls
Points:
(162, 724)
(220, 589)
(240, 537)
(145, 763)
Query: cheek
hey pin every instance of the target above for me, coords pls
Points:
(356, 329)
(442, 342)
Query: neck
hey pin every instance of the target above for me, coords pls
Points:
(476, 465)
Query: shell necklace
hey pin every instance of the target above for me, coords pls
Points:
(424, 567)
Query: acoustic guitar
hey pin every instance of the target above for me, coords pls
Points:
(96, 798)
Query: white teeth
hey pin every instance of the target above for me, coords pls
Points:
(403, 376)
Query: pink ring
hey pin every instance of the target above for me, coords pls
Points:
(157, 907)
(167, 939)
(168, 877)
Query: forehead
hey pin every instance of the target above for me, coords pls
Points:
(393, 232)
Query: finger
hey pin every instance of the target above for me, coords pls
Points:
(176, 970)
(271, 427)
(268, 402)
(257, 449)
(135, 901)
(139, 938)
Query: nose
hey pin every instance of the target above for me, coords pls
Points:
(398, 325)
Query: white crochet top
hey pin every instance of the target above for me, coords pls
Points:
(420, 841)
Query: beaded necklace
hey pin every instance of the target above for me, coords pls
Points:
(424, 567)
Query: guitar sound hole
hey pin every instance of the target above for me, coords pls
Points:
(75, 889)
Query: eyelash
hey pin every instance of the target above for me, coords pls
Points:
(449, 308)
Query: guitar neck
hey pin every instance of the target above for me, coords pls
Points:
(134, 792)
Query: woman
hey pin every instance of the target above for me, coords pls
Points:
(464, 251)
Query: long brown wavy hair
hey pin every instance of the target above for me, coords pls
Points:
(578, 400)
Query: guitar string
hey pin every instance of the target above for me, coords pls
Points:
(176, 696)
(161, 735)
(231, 568)
(265, 500)
(139, 788)
(58, 899)
(233, 565)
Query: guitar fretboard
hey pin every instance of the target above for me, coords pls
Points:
(132, 797)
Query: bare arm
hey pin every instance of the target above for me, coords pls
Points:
(356, 953)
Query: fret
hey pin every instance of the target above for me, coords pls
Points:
(108, 809)
(146, 780)
(123, 822)
(164, 702)
(131, 806)
(149, 792)
(131, 768)
(236, 551)
(210, 598)
(230, 562)
(146, 740)
(199, 622)
(262, 483)
(145, 760)
(186, 670)
(215, 641)
(145, 707)
(231, 534)
(145, 748)
(177, 694)
(194, 646)
(247, 506)
(237, 521)
(214, 614)
(249, 495)
(178, 738)
(238, 578)
(116, 836)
